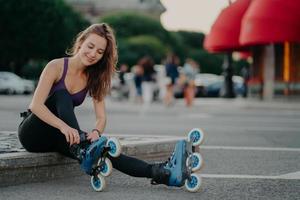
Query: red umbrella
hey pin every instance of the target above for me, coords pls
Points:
(271, 21)
(225, 32)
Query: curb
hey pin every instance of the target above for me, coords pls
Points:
(24, 167)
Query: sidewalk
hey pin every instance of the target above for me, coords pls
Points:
(18, 166)
(23, 167)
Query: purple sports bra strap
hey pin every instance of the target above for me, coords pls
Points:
(65, 69)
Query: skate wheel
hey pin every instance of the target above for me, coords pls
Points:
(195, 161)
(196, 136)
(193, 184)
(115, 147)
(98, 183)
(106, 169)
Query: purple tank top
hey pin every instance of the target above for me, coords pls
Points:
(77, 97)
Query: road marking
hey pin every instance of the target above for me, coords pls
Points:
(195, 116)
(294, 175)
(250, 148)
(290, 176)
(8, 132)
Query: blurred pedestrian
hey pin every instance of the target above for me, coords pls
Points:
(172, 75)
(123, 85)
(189, 72)
(138, 72)
(122, 72)
(245, 73)
(149, 78)
(50, 124)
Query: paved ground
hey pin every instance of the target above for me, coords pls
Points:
(124, 187)
(251, 149)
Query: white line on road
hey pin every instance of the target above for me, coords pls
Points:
(290, 176)
(250, 148)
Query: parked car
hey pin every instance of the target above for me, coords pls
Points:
(11, 83)
(212, 85)
(202, 80)
(216, 88)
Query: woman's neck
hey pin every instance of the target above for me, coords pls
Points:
(76, 65)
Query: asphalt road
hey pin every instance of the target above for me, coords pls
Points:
(251, 151)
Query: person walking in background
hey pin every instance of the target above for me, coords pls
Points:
(138, 72)
(172, 75)
(123, 71)
(189, 72)
(123, 85)
(245, 73)
(149, 78)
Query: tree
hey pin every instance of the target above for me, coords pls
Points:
(35, 30)
(138, 35)
(133, 48)
(209, 63)
(128, 24)
(192, 39)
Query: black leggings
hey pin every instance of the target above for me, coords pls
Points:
(37, 136)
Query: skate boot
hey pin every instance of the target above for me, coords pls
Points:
(174, 171)
(159, 174)
(94, 161)
(77, 151)
(90, 155)
(179, 168)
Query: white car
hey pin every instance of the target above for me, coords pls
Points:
(10, 83)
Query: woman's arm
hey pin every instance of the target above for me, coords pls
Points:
(50, 74)
(99, 107)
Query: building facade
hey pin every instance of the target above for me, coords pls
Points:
(93, 9)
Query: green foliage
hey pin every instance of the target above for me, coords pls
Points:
(39, 30)
(178, 46)
(238, 65)
(33, 69)
(209, 63)
(128, 24)
(133, 48)
(35, 29)
(192, 39)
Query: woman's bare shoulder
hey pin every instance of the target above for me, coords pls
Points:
(55, 67)
(56, 63)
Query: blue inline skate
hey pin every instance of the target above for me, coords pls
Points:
(94, 161)
(178, 170)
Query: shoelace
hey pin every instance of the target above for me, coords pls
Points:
(169, 161)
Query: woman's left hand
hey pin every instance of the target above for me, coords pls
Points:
(93, 136)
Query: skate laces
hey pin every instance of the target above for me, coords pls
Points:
(169, 162)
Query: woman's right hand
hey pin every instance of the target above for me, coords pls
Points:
(71, 134)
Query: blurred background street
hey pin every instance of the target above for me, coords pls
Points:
(229, 67)
(251, 150)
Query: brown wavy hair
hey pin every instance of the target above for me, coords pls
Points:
(100, 74)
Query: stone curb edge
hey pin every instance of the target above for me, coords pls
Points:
(24, 167)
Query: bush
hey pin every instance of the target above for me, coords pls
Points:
(209, 63)
(133, 48)
(33, 69)
(128, 24)
(192, 39)
(36, 29)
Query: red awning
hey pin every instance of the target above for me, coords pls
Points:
(271, 21)
(225, 32)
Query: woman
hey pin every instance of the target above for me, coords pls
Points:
(138, 72)
(50, 124)
(149, 79)
(172, 74)
(190, 70)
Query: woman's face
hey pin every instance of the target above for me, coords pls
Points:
(92, 49)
